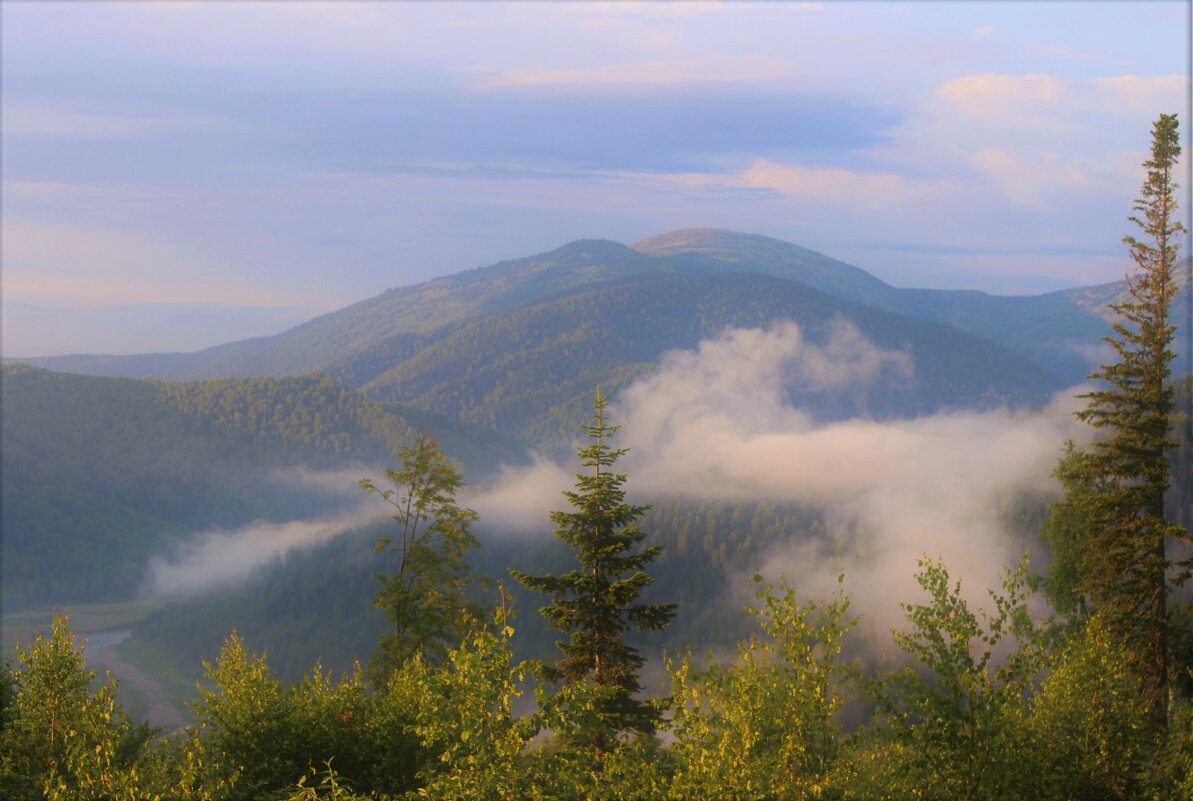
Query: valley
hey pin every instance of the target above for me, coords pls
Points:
(117, 467)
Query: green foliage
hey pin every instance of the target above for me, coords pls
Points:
(426, 595)
(633, 767)
(1090, 726)
(990, 714)
(60, 740)
(330, 786)
(957, 728)
(597, 602)
(471, 746)
(271, 734)
(764, 726)
(1065, 532)
(1179, 500)
(1172, 772)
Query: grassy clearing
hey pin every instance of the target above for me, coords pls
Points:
(24, 626)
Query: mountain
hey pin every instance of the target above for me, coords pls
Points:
(532, 369)
(480, 345)
(1060, 331)
(751, 253)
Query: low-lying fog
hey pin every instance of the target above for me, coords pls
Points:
(716, 422)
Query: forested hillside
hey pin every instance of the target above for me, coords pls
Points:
(530, 369)
(314, 605)
(101, 473)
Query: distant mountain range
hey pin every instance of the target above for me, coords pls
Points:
(485, 344)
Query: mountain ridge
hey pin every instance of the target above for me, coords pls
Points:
(1059, 330)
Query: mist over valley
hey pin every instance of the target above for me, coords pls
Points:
(783, 411)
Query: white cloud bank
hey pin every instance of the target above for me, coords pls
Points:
(222, 558)
(715, 422)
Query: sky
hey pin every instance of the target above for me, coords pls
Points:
(178, 174)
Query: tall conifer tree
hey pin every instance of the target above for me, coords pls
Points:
(1125, 563)
(598, 601)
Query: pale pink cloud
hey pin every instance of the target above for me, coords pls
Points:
(1029, 178)
(835, 184)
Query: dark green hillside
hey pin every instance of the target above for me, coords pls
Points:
(99, 472)
(529, 370)
(317, 604)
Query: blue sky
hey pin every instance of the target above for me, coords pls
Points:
(290, 158)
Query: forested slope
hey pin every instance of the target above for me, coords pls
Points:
(100, 472)
(531, 369)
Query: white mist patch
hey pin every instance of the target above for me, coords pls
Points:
(715, 422)
(518, 502)
(342, 483)
(220, 558)
(735, 385)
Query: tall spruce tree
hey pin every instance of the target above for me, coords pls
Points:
(1125, 564)
(598, 601)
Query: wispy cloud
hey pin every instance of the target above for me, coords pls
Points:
(1022, 98)
(23, 121)
(220, 558)
(836, 184)
(742, 71)
(517, 503)
(1029, 178)
(79, 265)
(991, 95)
